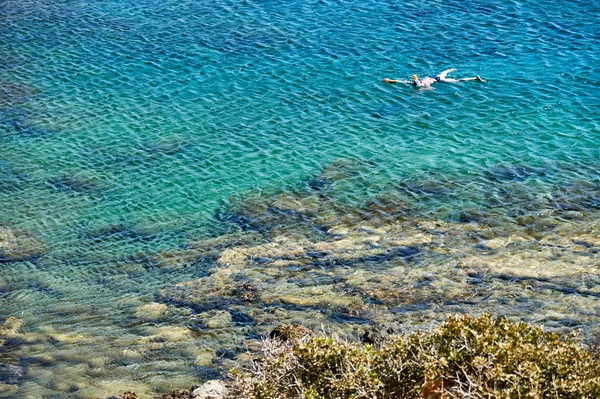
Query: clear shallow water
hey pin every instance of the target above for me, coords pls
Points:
(126, 127)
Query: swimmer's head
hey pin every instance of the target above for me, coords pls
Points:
(415, 77)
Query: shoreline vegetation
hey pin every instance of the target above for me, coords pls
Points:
(465, 357)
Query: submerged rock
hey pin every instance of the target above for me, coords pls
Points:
(208, 293)
(369, 271)
(11, 328)
(202, 254)
(179, 394)
(213, 389)
(11, 373)
(217, 319)
(152, 311)
(8, 390)
(289, 332)
(17, 245)
(378, 333)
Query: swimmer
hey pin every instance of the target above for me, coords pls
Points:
(428, 81)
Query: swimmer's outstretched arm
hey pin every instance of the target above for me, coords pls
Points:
(387, 80)
(448, 80)
(442, 75)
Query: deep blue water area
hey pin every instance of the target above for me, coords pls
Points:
(129, 128)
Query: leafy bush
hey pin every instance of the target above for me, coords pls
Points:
(466, 357)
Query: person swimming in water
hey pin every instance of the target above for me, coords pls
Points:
(428, 81)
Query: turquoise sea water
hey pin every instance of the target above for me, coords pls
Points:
(129, 128)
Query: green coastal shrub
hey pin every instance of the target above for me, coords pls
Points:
(466, 357)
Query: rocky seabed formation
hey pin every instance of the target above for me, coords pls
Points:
(304, 259)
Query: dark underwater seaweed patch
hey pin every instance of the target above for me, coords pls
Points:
(318, 183)
(47, 290)
(388, 208)
(311, 279)
(579, 196)
(265, 218)
(338, 170)
(10, 181)
(474, 216)
(341, 316)
(484, 249)
(583, 244)
(430, 187)
(287, 213)
(12, 94)
(502, 172)
(35, 131)
(120, 231)
(322, 260)
(206, 373)
(226, 354)
(335, 313)
(245, 223)
(240, 318)
(558, 285)
(16, 122)
(202, 262)
(146, 261)
(518, 198)
(76, 184)
(259, 260)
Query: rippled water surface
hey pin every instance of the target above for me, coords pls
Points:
(178, 177)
